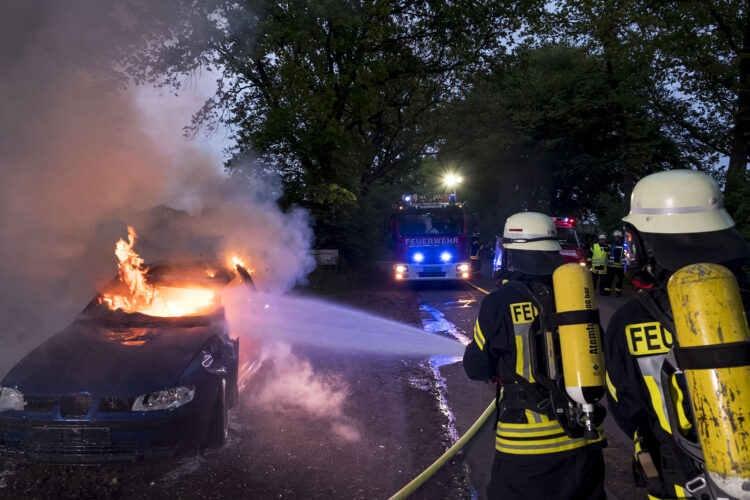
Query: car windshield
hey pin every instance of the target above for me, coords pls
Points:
(446, 221)
(567, 237)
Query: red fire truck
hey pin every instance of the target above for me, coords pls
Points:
(430, 239)
(568, 237)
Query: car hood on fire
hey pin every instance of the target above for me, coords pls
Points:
(114, 355)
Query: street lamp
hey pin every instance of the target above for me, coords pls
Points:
(452, 181)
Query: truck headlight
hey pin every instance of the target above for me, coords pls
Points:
(168, 399)
(10, 399)
(463, 267)
(400, 269)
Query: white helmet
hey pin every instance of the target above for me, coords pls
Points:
(678, 201)
(602, 236)
(530, 244)
(678, 218)
(530, 231)
(617, 233)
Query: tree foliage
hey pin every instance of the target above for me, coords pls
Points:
(336, 95)
(541, 132)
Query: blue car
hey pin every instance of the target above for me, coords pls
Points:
(116, 386)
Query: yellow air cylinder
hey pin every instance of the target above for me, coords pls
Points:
(708, 311)
(580, 344)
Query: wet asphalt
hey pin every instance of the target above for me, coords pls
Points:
(331, 424)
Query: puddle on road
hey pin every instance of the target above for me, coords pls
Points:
(435, 322)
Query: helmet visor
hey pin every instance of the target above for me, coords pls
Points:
(633, 250)
(725, 247)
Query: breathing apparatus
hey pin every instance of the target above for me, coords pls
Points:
(566, 359)
(677, 220)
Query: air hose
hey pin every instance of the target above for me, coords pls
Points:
(432, 469)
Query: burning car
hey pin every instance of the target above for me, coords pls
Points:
(146, 370)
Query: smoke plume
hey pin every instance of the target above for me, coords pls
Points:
(81, 160)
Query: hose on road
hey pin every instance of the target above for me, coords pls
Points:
(432, 469)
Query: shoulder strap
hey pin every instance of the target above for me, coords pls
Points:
(656, 302)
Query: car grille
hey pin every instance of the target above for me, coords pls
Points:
(36, 404)
(114, 404)
(76, 405)
(35, 447)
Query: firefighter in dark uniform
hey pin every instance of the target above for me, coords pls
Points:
(535, 458)
(616, 266)
(676, 218)
(597, 261)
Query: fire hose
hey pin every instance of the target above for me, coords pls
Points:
(418, 481)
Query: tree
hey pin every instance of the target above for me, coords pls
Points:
(540, 133)
(706, 47)
(336, 95)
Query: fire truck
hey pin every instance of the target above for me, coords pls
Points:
(430, 239)
(572, 251)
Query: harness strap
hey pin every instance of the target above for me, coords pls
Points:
(713, 356)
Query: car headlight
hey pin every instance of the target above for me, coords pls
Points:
(10, 399)
(168, 399)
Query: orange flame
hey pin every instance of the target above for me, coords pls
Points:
(148, 299)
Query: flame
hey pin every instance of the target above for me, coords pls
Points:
(145, 298)
(236, 261)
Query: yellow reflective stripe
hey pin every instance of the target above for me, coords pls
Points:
(539, 427)
(519, 355)
(535, 442)
(528, 433)
(684, 423)
(534, 448)
(611, 387)
(679, 491)
(478, 337)
(656, 402)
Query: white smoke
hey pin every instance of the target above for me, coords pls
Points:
(81, 159)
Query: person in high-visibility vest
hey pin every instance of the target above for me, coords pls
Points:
(597, 260)
(615, 266)
(535, 458)
(677, 218)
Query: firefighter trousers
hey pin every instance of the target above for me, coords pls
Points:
(615, 278)
(540, 477)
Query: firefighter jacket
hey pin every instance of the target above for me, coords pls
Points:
(598, 258)
(500, 350)
(616, 254)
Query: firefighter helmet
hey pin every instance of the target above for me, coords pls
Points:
(678, 201)
(677, 217)
(617, 233)
(531, 244)
(602, 236)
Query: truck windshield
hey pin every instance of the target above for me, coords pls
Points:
(567, 237)
(447, 221)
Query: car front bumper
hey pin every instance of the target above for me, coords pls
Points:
(130, 438)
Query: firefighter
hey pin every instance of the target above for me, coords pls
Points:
(597, 260)
(616, 265)
(535, 458)
(676, 218)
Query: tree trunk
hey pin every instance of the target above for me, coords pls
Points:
(737, 170)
